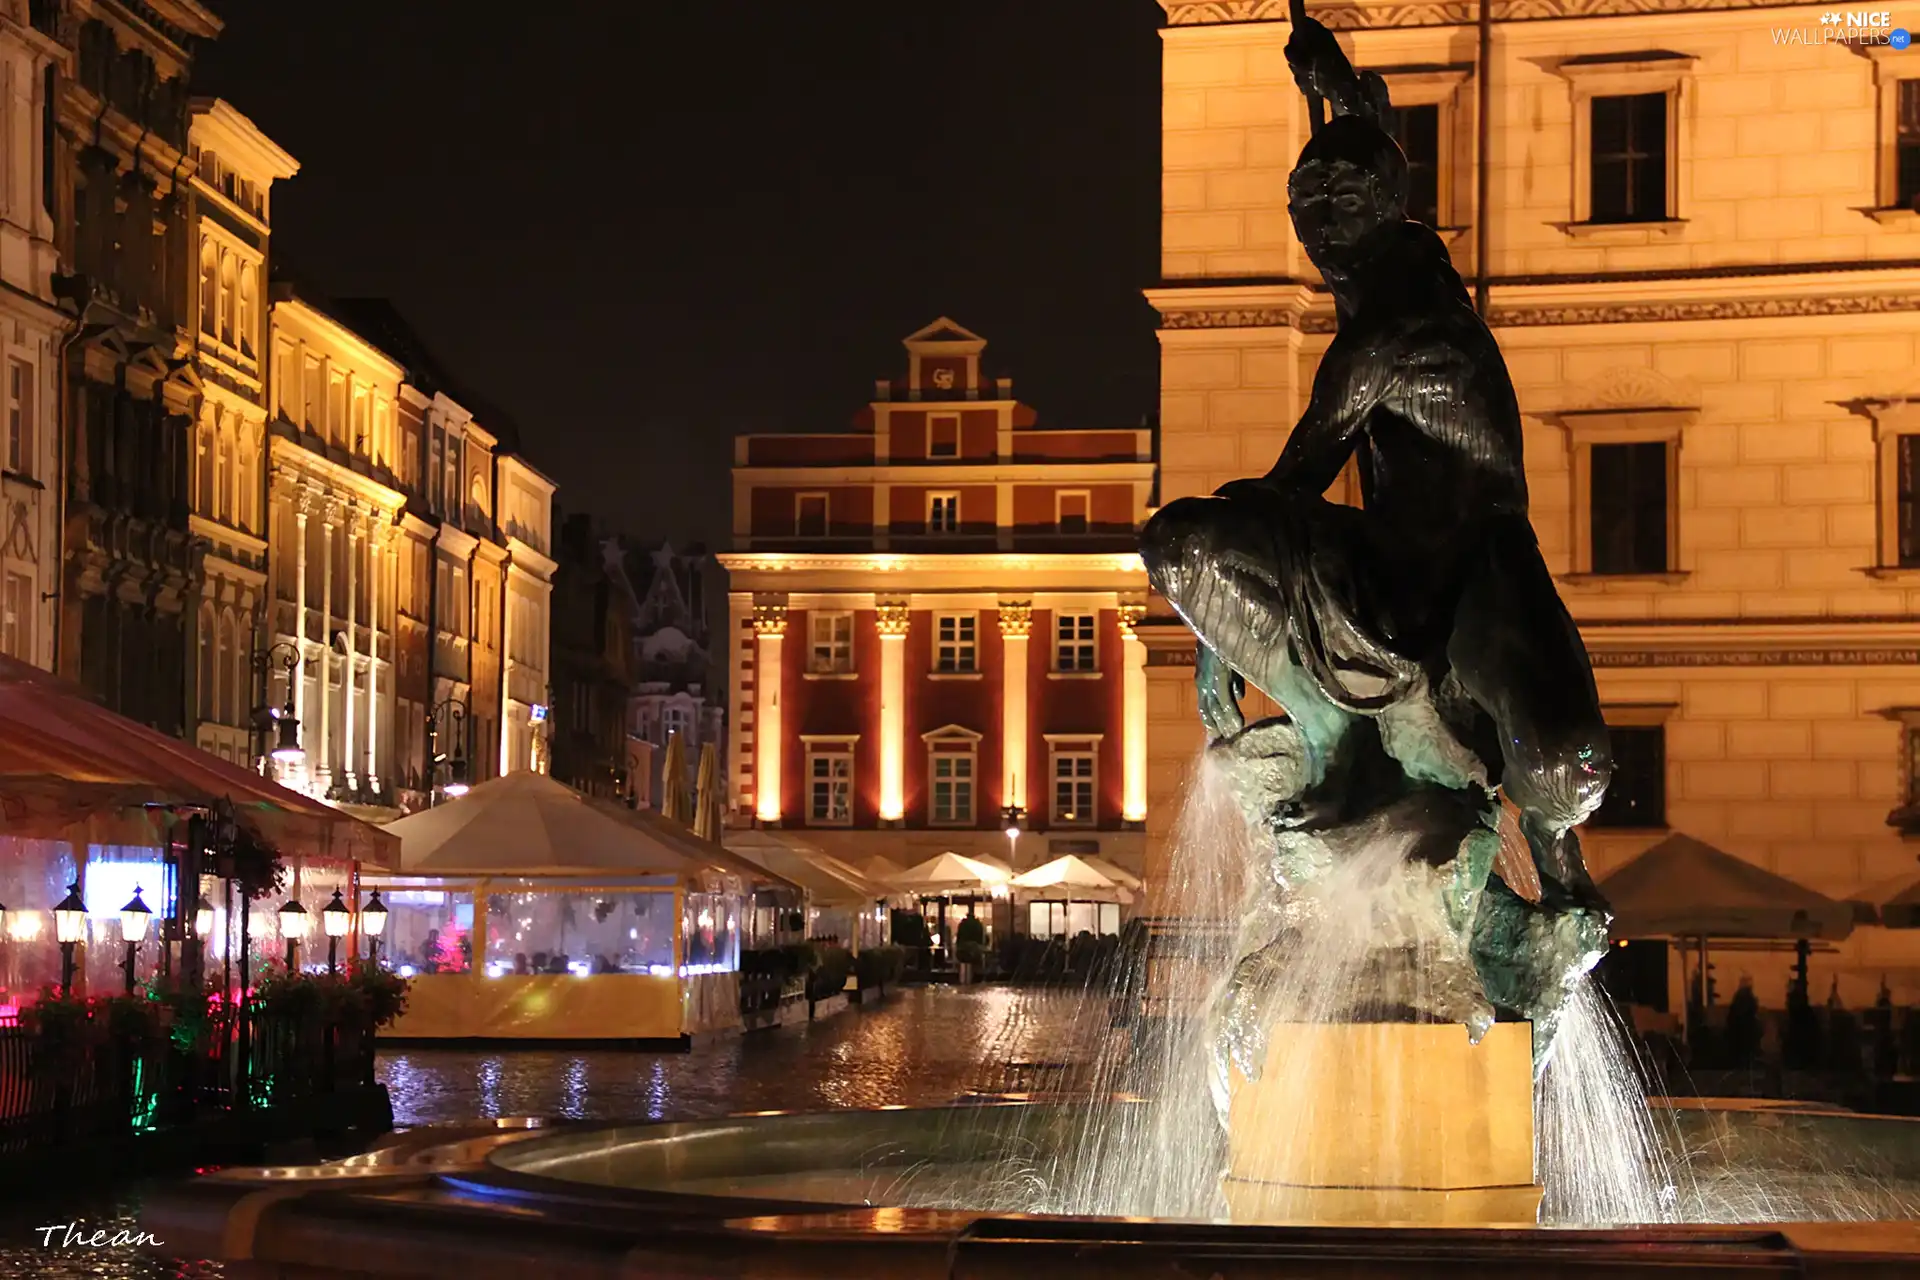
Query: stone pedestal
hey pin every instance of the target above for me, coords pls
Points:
(1386, 1123)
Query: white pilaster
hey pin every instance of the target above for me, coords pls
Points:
(1133, 715)
(893, 622)
(769, 629)
(377, 572)
(1016, 629)
(324, 650)
(351, 759)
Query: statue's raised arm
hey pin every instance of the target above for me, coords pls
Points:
(1324, 74)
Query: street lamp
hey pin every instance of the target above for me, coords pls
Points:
(293, 927)
(455, 710)
(334, 918)
(1011, 817)
(69, 926)
(133, 930)
(284, 726)
(373, 922)
(202, 920)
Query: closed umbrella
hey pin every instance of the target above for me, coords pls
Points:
(706, 800)
(673, 791)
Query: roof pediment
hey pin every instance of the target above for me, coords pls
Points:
(945, 333)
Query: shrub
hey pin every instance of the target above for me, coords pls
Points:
(910, 929)
(970, 933)
(829, 976)
(382, 993)
(878, 966)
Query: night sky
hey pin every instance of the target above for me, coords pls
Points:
(641, 228)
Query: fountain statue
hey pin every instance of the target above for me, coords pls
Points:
(1440, 734)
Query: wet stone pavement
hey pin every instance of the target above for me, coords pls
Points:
(919, 1047)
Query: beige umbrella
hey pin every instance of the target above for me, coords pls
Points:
(673, 789)
(706, 800)
(948, 871)
(1074, 880)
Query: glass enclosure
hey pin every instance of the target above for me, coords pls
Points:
(581, 932)
(711, 922)
(429, 929)
(34, 875)
(1071, 919)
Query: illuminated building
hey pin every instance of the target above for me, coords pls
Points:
(32, 334)
(930, 618)
(235, 167)
(673, 690)
(1699, 260)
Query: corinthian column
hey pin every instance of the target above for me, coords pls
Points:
(1133, 715)
(376, 574)
(893, 709)
(350, 756)
(324, 650)
(303, 502)
(769, 629)
(1016, 628)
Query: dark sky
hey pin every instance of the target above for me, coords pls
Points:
(642, 227)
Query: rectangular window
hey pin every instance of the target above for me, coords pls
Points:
(1637, 795)
(954, 648)
(1046, 919)
(1073, 773)
(953, 788)
(19, 417)
(1629, 506)
(313, 402)
(1417, 130)
(1907, 456)
(1074, 648)
(943, 436)
(830, 645)
(16, 618)
(1907, 144)
(810, 515)
(1629, 158)
(337, 425)
(1072, 510)
(943, 513)
(830, 786)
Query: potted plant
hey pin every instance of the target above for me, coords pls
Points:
(970, 947)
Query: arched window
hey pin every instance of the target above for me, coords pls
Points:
(206, 662)
(246, 308)
(236, 676)
(203, 479)
(209, 288)
(226, 298)
(228, 481)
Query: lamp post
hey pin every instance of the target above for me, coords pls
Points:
(334, 918)
(133, 930)
(1011, 817)
(373, 922)
(293, 927)
(455, 785)
(278, 726)
(69, 927)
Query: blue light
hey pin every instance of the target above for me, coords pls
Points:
(1900, 38)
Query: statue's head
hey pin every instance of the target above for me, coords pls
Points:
(1351, 179)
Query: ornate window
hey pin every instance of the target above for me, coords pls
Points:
(830, 643)
(209, 288)
(1636, 797)
(1626, 483)
(953, 758)
(1075, 768)
(1628, 158)
(1417, 130)
(955, 649)
(1426, 123)
(1074, 644)
(1627, 109)
(829, 781)
(19, 417)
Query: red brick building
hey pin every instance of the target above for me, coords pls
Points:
(930, 619)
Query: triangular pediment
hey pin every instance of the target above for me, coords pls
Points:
(944, 331)
(950, 733)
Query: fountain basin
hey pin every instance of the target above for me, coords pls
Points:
(937, 1192)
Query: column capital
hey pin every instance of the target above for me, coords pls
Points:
(1016, 619)
(769, 619)
(1131, 611)
(892, 617)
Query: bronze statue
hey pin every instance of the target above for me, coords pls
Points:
(1417, 644)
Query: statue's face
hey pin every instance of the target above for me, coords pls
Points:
(1335, 204)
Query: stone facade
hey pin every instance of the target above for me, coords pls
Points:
(1750, 346)
(673, 661)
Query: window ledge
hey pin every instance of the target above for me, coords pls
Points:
(25, 481)
(1625, 232)
(1894, 572)
(1073, 675)
(1904, 218)
(829, 675)
(956, 675)
(1670, 579)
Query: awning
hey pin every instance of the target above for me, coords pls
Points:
(827, 880)
(1073, 878)
(949, 872)
(1683, 887)
(1900, 909)
(66, 761)
(528, 824)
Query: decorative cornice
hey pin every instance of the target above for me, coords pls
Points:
(1016, 619)
(1349, 16)
(1183, 657)
(1543, 317)
(881, 562)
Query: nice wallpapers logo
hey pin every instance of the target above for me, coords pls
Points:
(1848, 27)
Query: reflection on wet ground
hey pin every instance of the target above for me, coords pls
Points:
(917, 1048)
